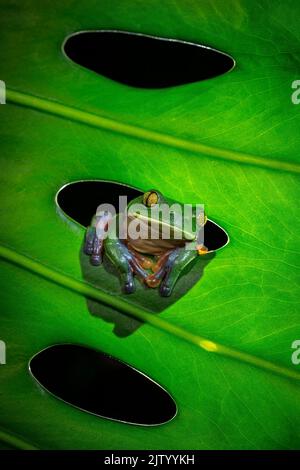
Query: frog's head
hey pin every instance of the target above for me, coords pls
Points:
(165, 216)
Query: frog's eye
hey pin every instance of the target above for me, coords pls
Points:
(150, 198)
(201, 220)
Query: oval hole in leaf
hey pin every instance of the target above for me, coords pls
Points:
(102, 385)
(145, 61)
(79, 201)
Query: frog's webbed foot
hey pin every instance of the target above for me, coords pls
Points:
(161, 268)
(93, 245)
(89, 240)
(169, 268)
(128, 282)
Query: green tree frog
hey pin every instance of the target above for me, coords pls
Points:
(150, 241)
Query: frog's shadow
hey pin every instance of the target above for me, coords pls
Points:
(106, 278)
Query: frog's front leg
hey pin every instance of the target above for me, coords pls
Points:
(125, 262)
(93, 245)
(181, 261)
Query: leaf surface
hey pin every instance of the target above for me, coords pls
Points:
(248, 296)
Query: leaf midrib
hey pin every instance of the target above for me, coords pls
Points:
(100, 122)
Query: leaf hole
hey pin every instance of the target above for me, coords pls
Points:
(145, 61)
(102, 385)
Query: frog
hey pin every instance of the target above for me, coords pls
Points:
(159, 258)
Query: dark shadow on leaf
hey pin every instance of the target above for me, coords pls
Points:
(105, 277)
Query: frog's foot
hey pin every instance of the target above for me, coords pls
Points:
(169, 280)
(202, 250)
(96, 257)
(89, 240)
(166, 286)
(161, 269)
(128, 282)
(93, 245)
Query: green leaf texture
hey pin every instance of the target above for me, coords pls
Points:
(232, 143)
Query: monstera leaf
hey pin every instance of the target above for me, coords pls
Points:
(223, 350)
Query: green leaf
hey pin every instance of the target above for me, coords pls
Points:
(232, 143)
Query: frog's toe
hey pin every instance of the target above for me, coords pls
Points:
(88, 248)
(152, 281)
(128, 284)
(96, 260)
(165, 290)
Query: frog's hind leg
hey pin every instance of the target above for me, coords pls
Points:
(93, 245)
(159, 269)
